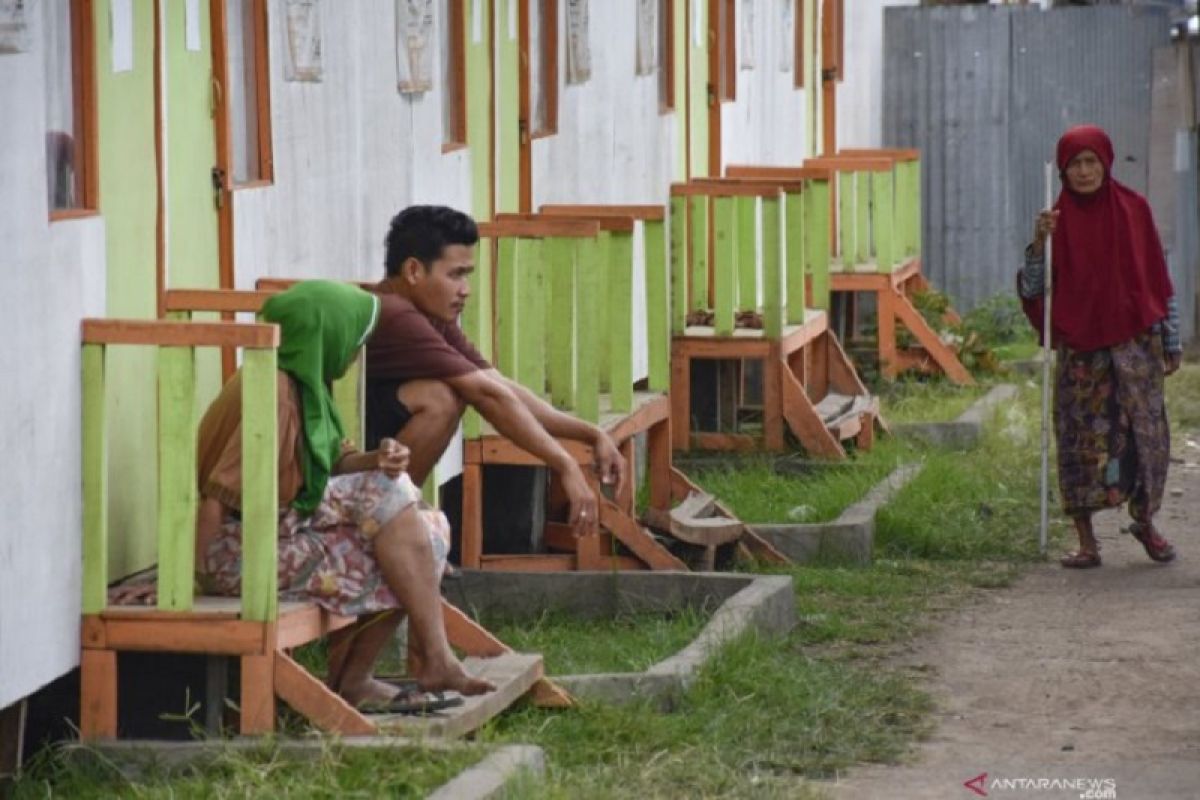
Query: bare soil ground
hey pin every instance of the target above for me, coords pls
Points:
(1068, 675)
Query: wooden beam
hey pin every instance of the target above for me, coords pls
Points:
(230, 300)
(178, 333)
(519, 225)
(642, 212)
(98, 695)
(629, 533)
(310, 697)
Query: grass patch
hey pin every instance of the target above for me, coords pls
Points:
(626, 643)
(401, 772)
(935, 400)
(761, 717)
(1183, 398)
(964, 506)
(757, 494)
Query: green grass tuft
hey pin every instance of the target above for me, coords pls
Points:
(756, 493)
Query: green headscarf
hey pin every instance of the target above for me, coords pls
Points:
(322, 325)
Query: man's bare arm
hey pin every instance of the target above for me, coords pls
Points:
(500, 406)
(609, 462)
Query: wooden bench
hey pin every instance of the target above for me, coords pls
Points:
(716, 256)
(875, 244)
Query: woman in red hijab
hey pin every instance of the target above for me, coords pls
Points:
(1114, 326)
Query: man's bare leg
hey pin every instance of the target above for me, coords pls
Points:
(353, 653)
(405, 555)
(436, 410)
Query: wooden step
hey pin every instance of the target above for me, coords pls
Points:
(843, 415)
(514, 675)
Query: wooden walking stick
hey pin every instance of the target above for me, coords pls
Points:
(1047, 284)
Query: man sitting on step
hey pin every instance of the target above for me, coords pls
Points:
(422, 372)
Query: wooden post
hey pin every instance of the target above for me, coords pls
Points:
(773, 293)
(590, 338)
(177, 477)
(724, 264)
(260, 490)
(471, 548)
(679, 265)
(747, 253)
(95, 482)
(699, 206)
(658, 322)
(559, 258)
(816, 233)
(98, 694)
(794, 243)
(846, 220)
(620, 330)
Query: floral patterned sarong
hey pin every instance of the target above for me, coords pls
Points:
(329, 558)
(1110, 421)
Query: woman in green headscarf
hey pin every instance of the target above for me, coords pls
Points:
(353, 536)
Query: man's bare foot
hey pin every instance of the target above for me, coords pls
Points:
(452, 677)
(368, 692)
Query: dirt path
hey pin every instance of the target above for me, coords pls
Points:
(1091, 674)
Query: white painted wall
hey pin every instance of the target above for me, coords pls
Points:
(51, 275)
(860, 94)
(349, 153)
(613, 144)
(765, 123)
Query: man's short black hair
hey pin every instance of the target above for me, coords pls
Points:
(422, 232)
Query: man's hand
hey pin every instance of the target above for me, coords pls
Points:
(1171, 363)
(610, 464)
(392, 458)
(584, 511)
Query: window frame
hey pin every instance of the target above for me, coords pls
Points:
(83, 106)
(726, 55)
(666, 53)
(801, 53)
(455, 137)
(549, 48)
(262, 84)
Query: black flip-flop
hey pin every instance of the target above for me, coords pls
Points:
(416, 703)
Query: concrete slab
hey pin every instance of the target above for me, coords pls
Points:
(964, 431)
(850, 537)
(495, 774)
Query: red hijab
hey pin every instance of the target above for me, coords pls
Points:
(1110, 275)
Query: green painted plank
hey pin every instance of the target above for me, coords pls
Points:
(915, 179)
(816, 234)
(620, 330)
(559, 257)
(848, 244)
(862, 217)
(724, 259)
(658, 323)
(793, 245)
(537, 312)
(524, 365)
(772, 257)
(95, 482)
(883, 210)
(511, 255)
(260, 486)
(679, 265)
(747, 253)
(348, 398)
(700, 230)
(176, 477)
(600, 302)
(590, 331)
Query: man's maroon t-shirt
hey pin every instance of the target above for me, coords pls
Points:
(406, 346)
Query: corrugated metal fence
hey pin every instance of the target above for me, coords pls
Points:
(985, 92)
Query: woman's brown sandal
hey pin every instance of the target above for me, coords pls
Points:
(1158, 548)
(1080, 559)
